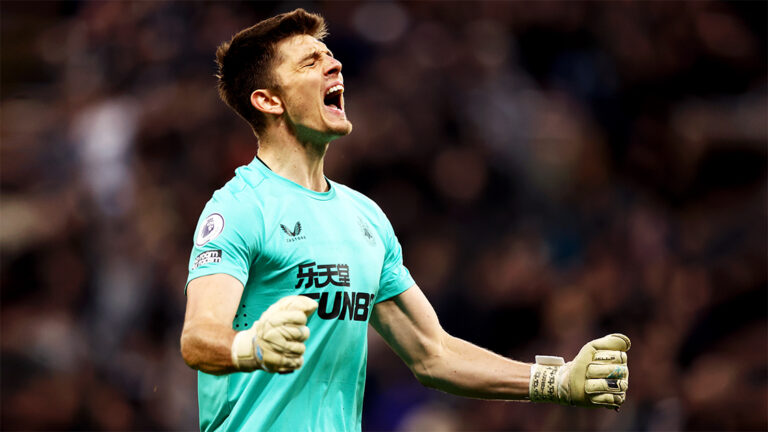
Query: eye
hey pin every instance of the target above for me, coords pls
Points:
(310, 64)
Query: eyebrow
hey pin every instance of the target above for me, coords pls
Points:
(315, 55)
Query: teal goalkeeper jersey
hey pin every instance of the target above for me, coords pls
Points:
(279, 239)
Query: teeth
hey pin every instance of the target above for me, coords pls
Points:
(337, 87)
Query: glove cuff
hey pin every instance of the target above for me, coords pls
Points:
(543, 386)
(246, 353)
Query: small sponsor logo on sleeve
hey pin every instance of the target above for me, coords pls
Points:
(207, 257)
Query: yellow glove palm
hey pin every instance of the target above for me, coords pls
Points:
(597, 376)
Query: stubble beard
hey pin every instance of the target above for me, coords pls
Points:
(318, 138)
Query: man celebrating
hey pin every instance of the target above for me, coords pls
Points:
(282, 253)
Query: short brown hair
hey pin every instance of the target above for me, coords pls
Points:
(245, 63)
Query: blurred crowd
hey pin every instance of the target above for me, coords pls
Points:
(555, 171)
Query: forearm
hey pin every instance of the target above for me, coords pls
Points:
(207, 347)
(410, 326)
(464, 369)
(598, 376)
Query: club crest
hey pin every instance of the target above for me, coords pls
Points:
(366, 230)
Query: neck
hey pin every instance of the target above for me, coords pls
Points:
(289, 157)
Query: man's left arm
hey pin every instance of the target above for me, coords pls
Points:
(597, 376)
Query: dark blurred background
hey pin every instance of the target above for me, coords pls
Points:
(555, 171)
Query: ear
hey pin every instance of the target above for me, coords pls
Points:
(267, 102)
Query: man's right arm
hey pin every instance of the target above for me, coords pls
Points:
(206, 340)
(275, 343)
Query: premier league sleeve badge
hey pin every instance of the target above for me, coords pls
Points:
(211, 227)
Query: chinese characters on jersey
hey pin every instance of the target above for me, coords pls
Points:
(334, 274)
(344, 304)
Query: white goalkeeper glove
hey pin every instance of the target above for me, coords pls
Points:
(598, 376)
(275, 343)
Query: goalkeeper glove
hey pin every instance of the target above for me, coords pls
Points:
(598, 376)
(275, 343)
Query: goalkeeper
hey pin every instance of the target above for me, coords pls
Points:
(289, 267)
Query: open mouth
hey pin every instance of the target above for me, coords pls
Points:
(333, 98)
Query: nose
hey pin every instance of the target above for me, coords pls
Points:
(333, 66)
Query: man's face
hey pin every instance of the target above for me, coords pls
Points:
(311, 88)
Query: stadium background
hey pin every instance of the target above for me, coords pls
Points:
(555, 171)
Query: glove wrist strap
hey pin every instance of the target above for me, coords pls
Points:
(246, 353)
(543, 386)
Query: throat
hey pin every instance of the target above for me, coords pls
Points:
(298, 162)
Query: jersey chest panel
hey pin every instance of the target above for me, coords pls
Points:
(327, 250)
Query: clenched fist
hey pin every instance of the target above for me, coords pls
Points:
(275, 343)
(598, 376)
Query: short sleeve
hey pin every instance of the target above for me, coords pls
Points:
(395, 277)
(225, 241)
